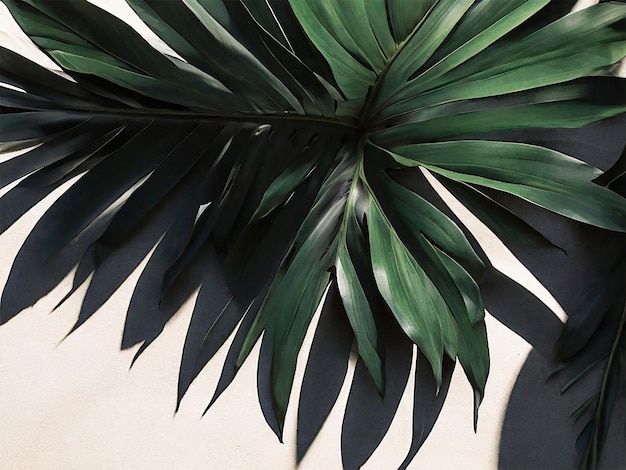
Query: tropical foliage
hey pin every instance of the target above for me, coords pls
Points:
(297, 142)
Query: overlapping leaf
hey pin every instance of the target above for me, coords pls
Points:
(278, 130)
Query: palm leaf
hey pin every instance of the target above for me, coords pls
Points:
(278, 132)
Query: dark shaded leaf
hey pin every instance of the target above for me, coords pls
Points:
(361, 433)
(327, 366)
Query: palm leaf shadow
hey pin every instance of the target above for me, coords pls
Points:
(545, 425)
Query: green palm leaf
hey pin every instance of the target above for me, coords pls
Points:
(278, 133)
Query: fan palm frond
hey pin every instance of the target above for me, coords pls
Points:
(283, 133)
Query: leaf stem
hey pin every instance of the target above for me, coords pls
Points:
(358, 171)
(333, 125)
(367, 113)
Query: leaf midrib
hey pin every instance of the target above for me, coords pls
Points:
(334, 125)
(366, 115)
